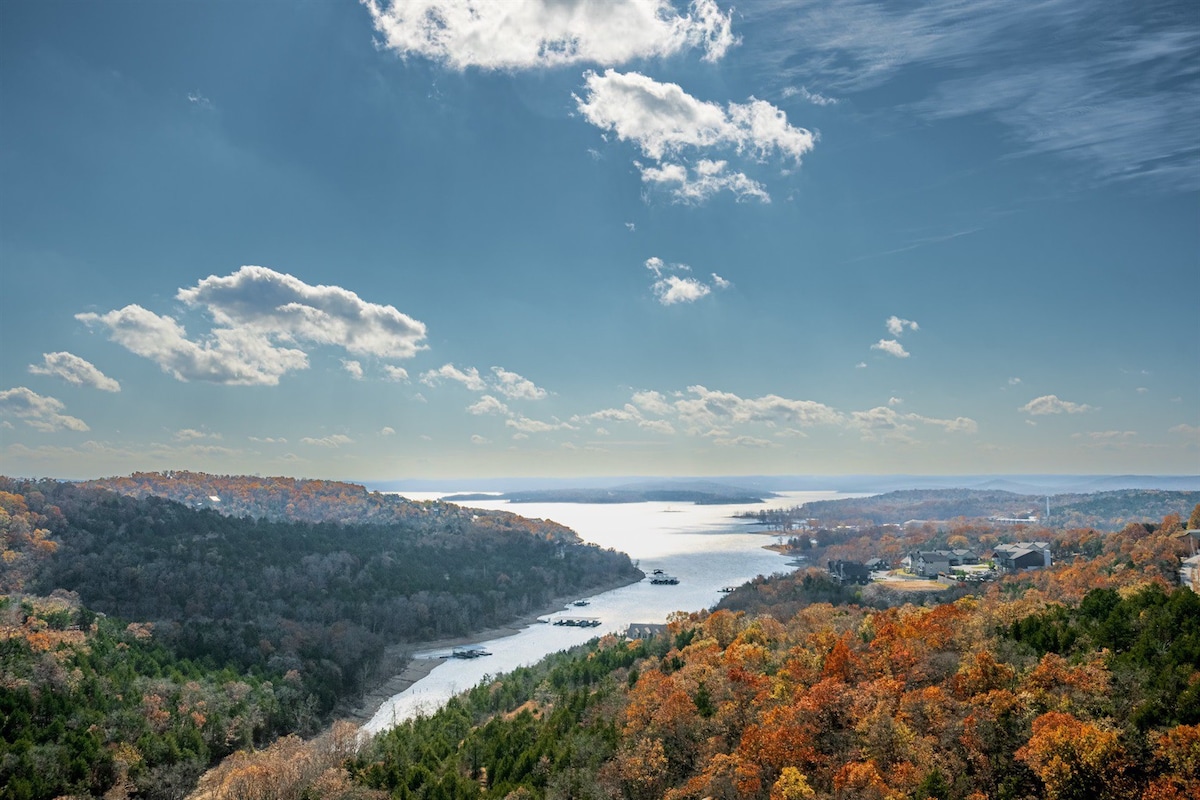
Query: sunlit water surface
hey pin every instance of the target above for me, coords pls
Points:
(704, 546)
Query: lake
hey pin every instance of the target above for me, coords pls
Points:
(705, 547)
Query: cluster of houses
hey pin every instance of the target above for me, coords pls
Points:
(932, 563)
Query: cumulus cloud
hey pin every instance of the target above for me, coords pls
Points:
(671, 288)
(231, 356)
(680, 133)
(525, 34)
(514, 386)
(395, 374)
(477, 439)
(503, 381)
(334, 441)
(191, 435)
(279, 305)
(527, 425)
(897, 326)
(1050, 404)
(674, 289)
(257, 311)
(895, 401)
(882, 423)
(469, 377)
(702, 181)
(1186, 431)
(353, 368)
(487, 405)
(74, 370)
(661, 119)
(387, 430)
(891, 347)
(38, 411)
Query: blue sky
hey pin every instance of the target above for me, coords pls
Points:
(449, 238)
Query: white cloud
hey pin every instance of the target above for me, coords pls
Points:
(477, 439)
(231, 356)
(354, 368)
(657, 426)
(200, 101)
(74, 370)
(816, 98)
(38, 411)
(886, 423)
(1050, 404)
(671, 288)
(513, 386)
(674, 289)
(1106, 437)
(895, 401)
(896, 326)
(744, 441)
(652, 402)
(1107, 85)
(525, 34)
(268, 440)
(527, 425)
(395, 374)
(278, 305)
(256, 311)
(387, 430)
(1142, 390)
(468, 377)
(682, 134)
(662, 119)
(1186, 431)
(191, 435)
(891, 347)
(505, 382)
(706, 179)
(1014, 381)
(631, 226)
(487, 405)
(334, 441)
(861, 365)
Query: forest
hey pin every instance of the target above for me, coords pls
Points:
(1110, 510)
(1081, 681)
(299, 612)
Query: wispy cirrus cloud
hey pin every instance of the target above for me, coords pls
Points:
(256, 311)
(1111, 86)
(74, 370)
(39, 412)
(682, 135)
(528, 34)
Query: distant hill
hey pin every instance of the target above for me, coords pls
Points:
(304, 500)
(1110, 510)
(698, 492)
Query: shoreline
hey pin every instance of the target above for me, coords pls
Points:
(410, 669)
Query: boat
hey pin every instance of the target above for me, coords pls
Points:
(581, 603)
(469, 651)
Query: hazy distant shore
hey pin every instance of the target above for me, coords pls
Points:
(414, 669)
